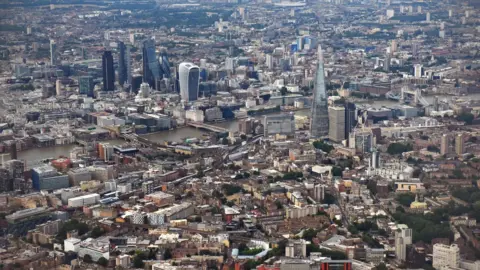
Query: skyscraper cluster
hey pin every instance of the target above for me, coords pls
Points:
(319, 120)
(154, 69)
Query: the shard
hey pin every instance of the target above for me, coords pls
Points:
(319, 119)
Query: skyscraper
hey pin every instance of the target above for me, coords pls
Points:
(164, 64)
(319, 120)
(151, 67)
(53, 52)
(336, 116)
(350, 121)
(189, 76)
(108, 72)
(122, 63)
(459, 144)
(444, 145)
(85, 85)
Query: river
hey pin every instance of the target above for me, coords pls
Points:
(188, 132)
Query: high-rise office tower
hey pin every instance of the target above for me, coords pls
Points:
(445, 256)
(336, 127)
(53, 52)
(85, 85)
(319, 119)
(350, 115)
(108, 71)
(403, 237)
(151, 67)
(459, 144)
(164, 64)
(189, 77)
(427, 17)
(122, 63)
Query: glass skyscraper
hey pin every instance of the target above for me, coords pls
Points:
(108, 71)
(319, 119)
(85, 85)
(189, 79)
(151, 67)
(123, 62)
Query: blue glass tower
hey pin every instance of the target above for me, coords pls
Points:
(151, 67)
(319, 119)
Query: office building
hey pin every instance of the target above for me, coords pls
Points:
(427, 17)
(6, 182)
(123, 63)
(336, 128)
(108, 72)
(459, 144)
(151, 68)
(269, 61)
(417, 70)
(336, 265)
(229, 64)
(393, 46)
(147, 187)
(445, 145)
(386, 63)
(445, 256)
(375, 159)
(319, 192)
(350, 118)
(85, 85)
(46, 177)
(319, 119)
(283, 124)
(53, 52)
(189, 78)
(403, 237)
(20, 222)
(164, 65)
(297, 248)
(361, 140)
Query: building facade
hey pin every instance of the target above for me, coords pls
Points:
(319, 120)
(445, 256)
(189, 78)
(108, 72)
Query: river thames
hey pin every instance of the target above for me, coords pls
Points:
(180, 134)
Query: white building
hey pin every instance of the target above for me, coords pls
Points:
(445, 256)
(189, 78)
(403, 237)
(417, 70)
(195, 115)
(390, 13)
(84, 200)
(71, 244)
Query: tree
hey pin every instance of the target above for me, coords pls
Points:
(327, 148)
(405, 199)
(224, 141)
(337, 171)
(466, 117)
(103, 262)
(381, 266)
(97, 232)
(433, 148)
(167, 255)
(399, 148)
(87, 258)
(283, 91)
